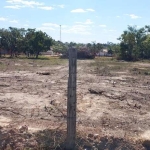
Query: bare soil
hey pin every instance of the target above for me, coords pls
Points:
(113, 99)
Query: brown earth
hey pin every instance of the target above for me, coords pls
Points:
(113, 98)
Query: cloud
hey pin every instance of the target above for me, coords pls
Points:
(13, 21)
(78, 29)
(138, 26)
(50, 25)
(103, 26)
(17, 4)
(45, 28)
(133, 16)
(90, 9)
(26, 25)
(118, 16)
(7, 19)
(25, 3)
(46, 7)
(61, 6)
(111, 30)
(13, 7)
(64, 26)
(80, 10)
(3, 19)
(81, 29)
(88, 21)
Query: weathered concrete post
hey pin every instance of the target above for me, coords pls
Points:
(71, 104)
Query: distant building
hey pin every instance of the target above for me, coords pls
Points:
(104, 52)
(49, 52)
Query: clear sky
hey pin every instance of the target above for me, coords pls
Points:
(81, 21)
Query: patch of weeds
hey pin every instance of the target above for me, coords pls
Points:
(50, 139)
(147, 72)
(140, 71)
(24, 64)
(119, 66)
(2, 65)
(108, 67)
(51, 61)
(100, 68)
(103, 71)
(105, 58)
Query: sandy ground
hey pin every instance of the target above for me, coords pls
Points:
(119, 105)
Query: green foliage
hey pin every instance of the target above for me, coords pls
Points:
(60, 47)
(31, 42)
(94, 47)
(113, 49)
(135, 43)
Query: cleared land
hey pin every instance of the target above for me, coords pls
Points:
(113, 101)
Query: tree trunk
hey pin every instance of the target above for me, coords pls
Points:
(37, 54)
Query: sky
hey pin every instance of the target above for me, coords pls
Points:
(82, 21)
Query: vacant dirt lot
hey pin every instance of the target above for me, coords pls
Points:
(113, 97)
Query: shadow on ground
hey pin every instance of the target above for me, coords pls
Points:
(55, 139)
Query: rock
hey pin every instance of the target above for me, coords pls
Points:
(43, 73)
(96, 91)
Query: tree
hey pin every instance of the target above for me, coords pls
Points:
(146, 47)
(99, 47)
(131, 47)
(10, 40)
(5, 39)
(36, 42)
(29, 41)
(40, 42)
(14, 34)
(60, 47)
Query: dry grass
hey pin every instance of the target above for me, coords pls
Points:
(90, 135)
(108, 66)
(55, 140)
(27, 64)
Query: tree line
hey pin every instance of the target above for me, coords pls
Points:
(15, 41)
(29, 42)
(134, 43)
